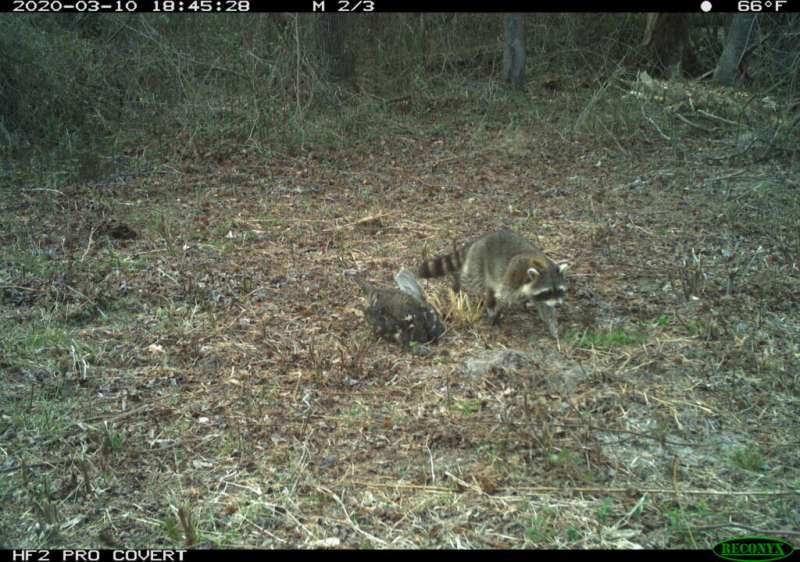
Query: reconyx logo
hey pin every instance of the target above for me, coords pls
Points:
(739, 549)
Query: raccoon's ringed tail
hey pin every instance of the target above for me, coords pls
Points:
(425, 269)
(441, 265)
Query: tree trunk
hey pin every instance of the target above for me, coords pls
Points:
(739, 35)
(514, 50)
(422, 30)
(337, 60)
(666, 35)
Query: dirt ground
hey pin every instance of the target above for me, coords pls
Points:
(185, 363)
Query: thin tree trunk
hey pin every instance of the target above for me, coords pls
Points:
(739, 35)
(514, 50)
(337, 59)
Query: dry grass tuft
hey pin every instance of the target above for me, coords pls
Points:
(457, 310)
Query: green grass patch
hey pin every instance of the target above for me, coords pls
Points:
(605, 511)
(749, 458)
(662, 321)
(563, 458)
(20, 263)
(36, 340)
(467, 407)
(355, 413)
(41, 418)
(46, 345)
(682, 521)
(694, 328)
(113, 442)
(5, 478)
(574, 534)
(122, 262)
(267, 221)
(541, 528)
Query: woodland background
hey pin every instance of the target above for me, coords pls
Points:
(185, 364)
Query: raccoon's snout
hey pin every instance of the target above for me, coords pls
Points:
(551, 297)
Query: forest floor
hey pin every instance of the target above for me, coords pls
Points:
(185, 364)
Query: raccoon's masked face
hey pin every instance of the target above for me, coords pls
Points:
(549, 287)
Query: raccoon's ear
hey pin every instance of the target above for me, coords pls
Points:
(533, 272)
(562, 267)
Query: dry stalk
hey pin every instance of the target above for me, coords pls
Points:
(349, 518)
(516, 493)
(691, 277)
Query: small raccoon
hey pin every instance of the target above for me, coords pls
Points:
(506, 269)
(400, 314)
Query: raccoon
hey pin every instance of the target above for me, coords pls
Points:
(400, 314)
(506, 269)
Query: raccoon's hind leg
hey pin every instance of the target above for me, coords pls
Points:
(492, 308)
(456, 282)
(548, 315)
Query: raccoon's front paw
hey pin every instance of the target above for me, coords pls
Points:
(552, 327)
(548, 316)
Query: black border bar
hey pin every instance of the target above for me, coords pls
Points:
(367, 6)
(189, 555)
